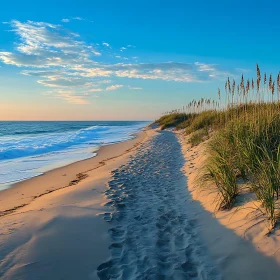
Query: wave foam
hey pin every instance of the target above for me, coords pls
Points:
(26, 156)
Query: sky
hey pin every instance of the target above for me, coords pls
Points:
(127, 60)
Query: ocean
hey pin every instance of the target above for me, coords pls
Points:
(28, 149)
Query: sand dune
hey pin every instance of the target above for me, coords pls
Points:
(238, 237)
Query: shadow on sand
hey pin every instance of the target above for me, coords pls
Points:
(235, 257)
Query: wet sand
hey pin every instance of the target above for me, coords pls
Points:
(22, 193)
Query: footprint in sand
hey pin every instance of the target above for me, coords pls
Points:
(152, 235)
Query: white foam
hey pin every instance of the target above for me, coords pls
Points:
(23, 157)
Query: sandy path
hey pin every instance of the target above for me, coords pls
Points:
(159, 232)
(153, 234)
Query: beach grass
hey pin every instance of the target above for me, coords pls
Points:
(244, 130)
(198, 136)
(172, 119)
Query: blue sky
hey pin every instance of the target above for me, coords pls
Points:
(127, 59)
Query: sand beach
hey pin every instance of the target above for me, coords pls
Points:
(134, 215)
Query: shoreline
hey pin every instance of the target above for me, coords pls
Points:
(8, 185)
(65, 232)
(62, 233)
(22, 193)
(35, 149)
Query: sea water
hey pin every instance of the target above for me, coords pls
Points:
(28, 149)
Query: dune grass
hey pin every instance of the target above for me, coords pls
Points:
(198, 136)
(171, 120)
(219, 168)
(244, 126)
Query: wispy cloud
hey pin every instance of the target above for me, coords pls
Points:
(65, 20)
(72, 97)
(114, 87)
(44, 45)
(73, 69)
(78, 18)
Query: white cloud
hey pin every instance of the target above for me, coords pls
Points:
(41, 73)
(109, 88)
(43, 44)
(113, 87)
(78, 18)
(168, 71)
(65, 20)
(64, 62)
(71, 97)
(95, 90)
(205, 67)
(60, 81)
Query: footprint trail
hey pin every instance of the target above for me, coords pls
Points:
(153, 234)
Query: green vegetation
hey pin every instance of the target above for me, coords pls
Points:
(244, 131)
(203, 120)
(219, 168)
(171, 120)
(198, 137)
